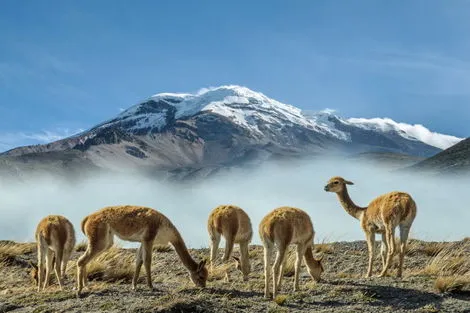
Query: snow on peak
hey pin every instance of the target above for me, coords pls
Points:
(244, 107)
(413, 132)
(250, 109)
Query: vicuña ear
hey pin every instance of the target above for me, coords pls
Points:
(347, 182)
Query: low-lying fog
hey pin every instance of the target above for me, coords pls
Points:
(443, 208)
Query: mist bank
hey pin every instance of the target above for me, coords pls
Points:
(443, 212)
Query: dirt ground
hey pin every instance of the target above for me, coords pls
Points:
(343, 288)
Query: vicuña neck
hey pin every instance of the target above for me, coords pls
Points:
(180, 247)
(309, 259)
(350, 207)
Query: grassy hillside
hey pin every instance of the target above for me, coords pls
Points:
(436, 279)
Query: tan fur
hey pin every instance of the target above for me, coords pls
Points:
(280, 228)
(234, 225)
(137, 224)
(382, 215)
(55, 237)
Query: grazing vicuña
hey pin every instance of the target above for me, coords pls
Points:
(280, 228)
(234, 225)
(137, 224)
(55, 237)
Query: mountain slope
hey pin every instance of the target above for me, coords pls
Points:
(455, 159)
(215, 128)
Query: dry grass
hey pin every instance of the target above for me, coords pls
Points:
(347, 275)
(112, 266)
(81, 246)
(428, 248)
(9, 250)
(289, 263)
(450, 261)
(451, 284)
(218, 272)
(429, 308)
(451, 266)
(323, 247)
(162, 248)
(280, 299)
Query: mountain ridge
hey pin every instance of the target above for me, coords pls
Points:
(225, 126)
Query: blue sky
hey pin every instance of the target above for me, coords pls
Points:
(67, 65)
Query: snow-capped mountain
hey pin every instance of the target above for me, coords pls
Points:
(245, 108)
(226, 126)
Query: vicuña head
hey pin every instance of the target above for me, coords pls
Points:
(137, 224)
(232, 223)
(55, 237)
(382, 215)
(280, 228)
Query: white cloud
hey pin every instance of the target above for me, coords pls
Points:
(15, 139)
(415, 131)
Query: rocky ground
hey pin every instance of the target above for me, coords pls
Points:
(437, 279)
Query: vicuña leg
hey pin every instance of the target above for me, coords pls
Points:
(281, 271)
(370, 237)
(215, 241)
(281, 251)
(94, 249)
(82, 262)
(58, 264)
(41, 260)
(390, 239)
(64, 264)
(301, 248)
(147, 257)
(229, 242)
(383, 250)
(268, 249)
(404, 231)
(49, 264)
(244, 259)
(138, 265)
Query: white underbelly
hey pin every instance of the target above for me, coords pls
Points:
(163, 237)
(135, 237)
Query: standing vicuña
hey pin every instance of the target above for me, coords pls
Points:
(55, 239)
(137, 224)
(382, 215)
(280, 228)
(235, 226)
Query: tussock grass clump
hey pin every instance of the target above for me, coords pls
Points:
(451, 284)
(289, 263)
(81, 246)
(323, 247)
(430, 249)
(363, 296)
(218, 272)
(162, 248)
(451, 267)
(453, 260)
(280, 299)
(9, 250)
(112, 265)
